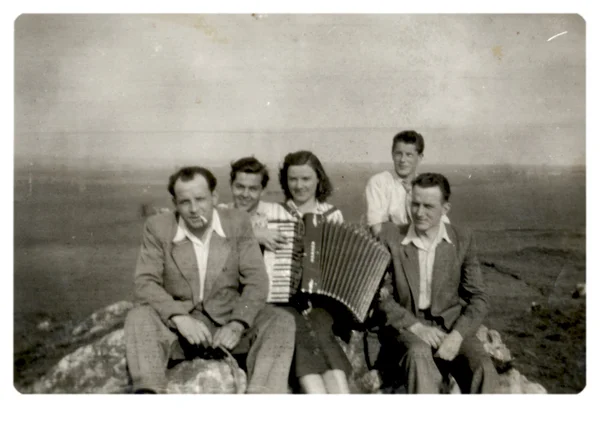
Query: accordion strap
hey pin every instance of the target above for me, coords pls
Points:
(292, 211)
(333, 209)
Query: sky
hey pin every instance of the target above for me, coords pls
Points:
(160, 90)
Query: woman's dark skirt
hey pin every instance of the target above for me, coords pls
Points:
(317, 349)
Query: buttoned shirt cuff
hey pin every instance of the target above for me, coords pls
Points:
(376, 219)
(242, 322)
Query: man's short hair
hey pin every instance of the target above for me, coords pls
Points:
(249, 165)
(188, 173)
(410, 137)
(425, 180)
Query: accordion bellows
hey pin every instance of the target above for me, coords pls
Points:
(336, 260)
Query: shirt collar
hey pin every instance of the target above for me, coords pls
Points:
(183, 232)
(261, 208)
(319, 209)
(412, 237)
(398, 178)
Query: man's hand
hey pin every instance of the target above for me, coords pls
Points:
(376, 229)
(448, 350)
(229, 335)
(271, 239)
(194, 331)
(385, 292)
(429, 334)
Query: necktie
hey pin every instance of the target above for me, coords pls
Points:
(407, 199)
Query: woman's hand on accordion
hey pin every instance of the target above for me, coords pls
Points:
(271, 239)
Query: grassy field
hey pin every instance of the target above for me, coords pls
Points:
(77, 234)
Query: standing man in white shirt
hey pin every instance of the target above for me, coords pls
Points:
(433, 301)
(388, 194)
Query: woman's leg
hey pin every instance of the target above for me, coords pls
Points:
(313, 384)
(336, 382)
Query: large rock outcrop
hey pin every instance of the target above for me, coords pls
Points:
(100, 366)
(364, 380)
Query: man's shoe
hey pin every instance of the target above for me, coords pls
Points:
(145, 391)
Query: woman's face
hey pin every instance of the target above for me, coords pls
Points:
(302, 182)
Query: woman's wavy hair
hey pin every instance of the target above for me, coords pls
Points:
(324, 187)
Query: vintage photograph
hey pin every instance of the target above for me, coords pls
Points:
(300, 204)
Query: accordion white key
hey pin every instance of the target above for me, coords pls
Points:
(336, 260)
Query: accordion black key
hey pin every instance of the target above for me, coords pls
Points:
(336, 260)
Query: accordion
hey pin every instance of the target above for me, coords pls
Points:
(337, 260)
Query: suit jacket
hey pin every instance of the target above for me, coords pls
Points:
(166, 276)
(457, 294)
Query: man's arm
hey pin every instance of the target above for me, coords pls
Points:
(471, 290)
(377, 203)
(149, 278)
(395, 315)
(253, 277)
(400, 318)
(271, 239)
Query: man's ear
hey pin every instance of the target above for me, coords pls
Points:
(215, 198)
(174, 201)
(446, 206)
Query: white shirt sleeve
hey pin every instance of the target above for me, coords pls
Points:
(377, 195)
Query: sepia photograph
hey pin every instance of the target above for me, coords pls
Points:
(269, 203)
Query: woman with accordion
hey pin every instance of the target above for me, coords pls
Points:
(320, 364)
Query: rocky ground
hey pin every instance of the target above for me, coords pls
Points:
(98, 365)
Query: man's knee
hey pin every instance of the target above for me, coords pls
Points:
(418, 350)
(141, 316)
(485, 365)
(277, 319)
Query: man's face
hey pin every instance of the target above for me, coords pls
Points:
(427, 208)
(193, 201)
(406, 159)
(302, 182)
(247, 191)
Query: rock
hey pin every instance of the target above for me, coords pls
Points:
(361, 380)
(535, 306)
(103, 320)
(513, 382)
(44, 325)
(200, 376)
(493, 345)
(95, 368)
(579, 291)
(365, 381)
(100, 368)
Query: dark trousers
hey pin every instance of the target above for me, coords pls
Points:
(406, 359)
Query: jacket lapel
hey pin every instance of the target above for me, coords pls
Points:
(445, 255)
(219, 251)
(410, 264)
(185, 258)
